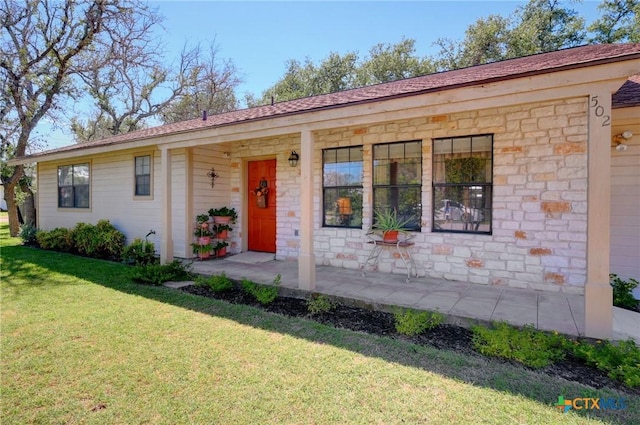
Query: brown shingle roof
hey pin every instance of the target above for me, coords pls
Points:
(514, 68)
(628, 95)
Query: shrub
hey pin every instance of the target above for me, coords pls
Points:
(412, 322)
(528, 346)
(139, 252)
(622, 292)
(100, 241)
(28, 234)
(320, 304)
(157, 274)
(58, 239)
(619, 360)
(217, 283)
(264, 294)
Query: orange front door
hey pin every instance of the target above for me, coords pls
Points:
(262, 212)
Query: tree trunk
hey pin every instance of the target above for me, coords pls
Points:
(12, 208)
(28, 206)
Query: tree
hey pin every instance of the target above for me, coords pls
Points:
(129, 82)
(336, 72)
(211, 87)
(391, 62)
(40, 42)
(620, 22)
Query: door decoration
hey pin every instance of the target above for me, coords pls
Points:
(261, 193)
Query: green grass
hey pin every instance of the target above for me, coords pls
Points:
(81, 343)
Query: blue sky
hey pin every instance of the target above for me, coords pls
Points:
(260, 36)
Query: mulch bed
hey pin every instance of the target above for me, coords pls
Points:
(444, 336)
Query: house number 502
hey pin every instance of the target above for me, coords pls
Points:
(598, 110)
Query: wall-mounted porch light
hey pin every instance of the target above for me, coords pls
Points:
(619, 140)
(293, 159)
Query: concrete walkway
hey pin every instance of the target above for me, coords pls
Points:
(459, 301)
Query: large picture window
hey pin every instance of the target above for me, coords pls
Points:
(342, 187)
(73, 186)
(462, 184)
(143, 175)
(397, 180)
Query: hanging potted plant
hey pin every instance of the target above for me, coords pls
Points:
(220, 248)
(389, 224)
(223, 215)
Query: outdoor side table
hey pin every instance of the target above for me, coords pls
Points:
(402, 247)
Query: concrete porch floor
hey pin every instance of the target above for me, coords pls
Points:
(459, 301)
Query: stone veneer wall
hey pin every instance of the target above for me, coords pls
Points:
(287, 191)
(539, 197)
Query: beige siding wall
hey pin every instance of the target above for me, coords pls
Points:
(112, 196)
(625, 203)
(203, 197)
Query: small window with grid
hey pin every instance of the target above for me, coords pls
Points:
(342, 187)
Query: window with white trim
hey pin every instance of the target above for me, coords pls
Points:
(143, 175)
(73, 186)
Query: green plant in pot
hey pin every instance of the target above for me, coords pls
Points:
(388, 222)
(202, 250)
(203, 229)
(221, 230)
(220, 247)
(223, 215)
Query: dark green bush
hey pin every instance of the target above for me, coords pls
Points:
(413, 322)
(527, 345)
(100, 241)
(620, 360)
(139, 252)
(217, 283)
(28, 234)
(58, 239)
(157, 274)
(623, 292)
(320, 304)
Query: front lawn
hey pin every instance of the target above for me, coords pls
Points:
(81, 343)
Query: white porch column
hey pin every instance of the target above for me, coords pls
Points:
(166, 243)
(307, 258)
(598, 295)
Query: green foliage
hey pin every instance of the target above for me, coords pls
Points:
(217, 283)
(157, 274)
(28, 234)
(264, 294)
(139, 252)
(224, 212)
(100, 241)
(388, 220)
(619, 360)
(622, 292)
(58, 239)
(527, 345)
(412, 322)
(319, 303)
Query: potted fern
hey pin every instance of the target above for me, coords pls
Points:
(388, 222)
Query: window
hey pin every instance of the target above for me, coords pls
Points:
(73, 186)
(397, 180)
(462, 184)
(342, 187)
(143, 175)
